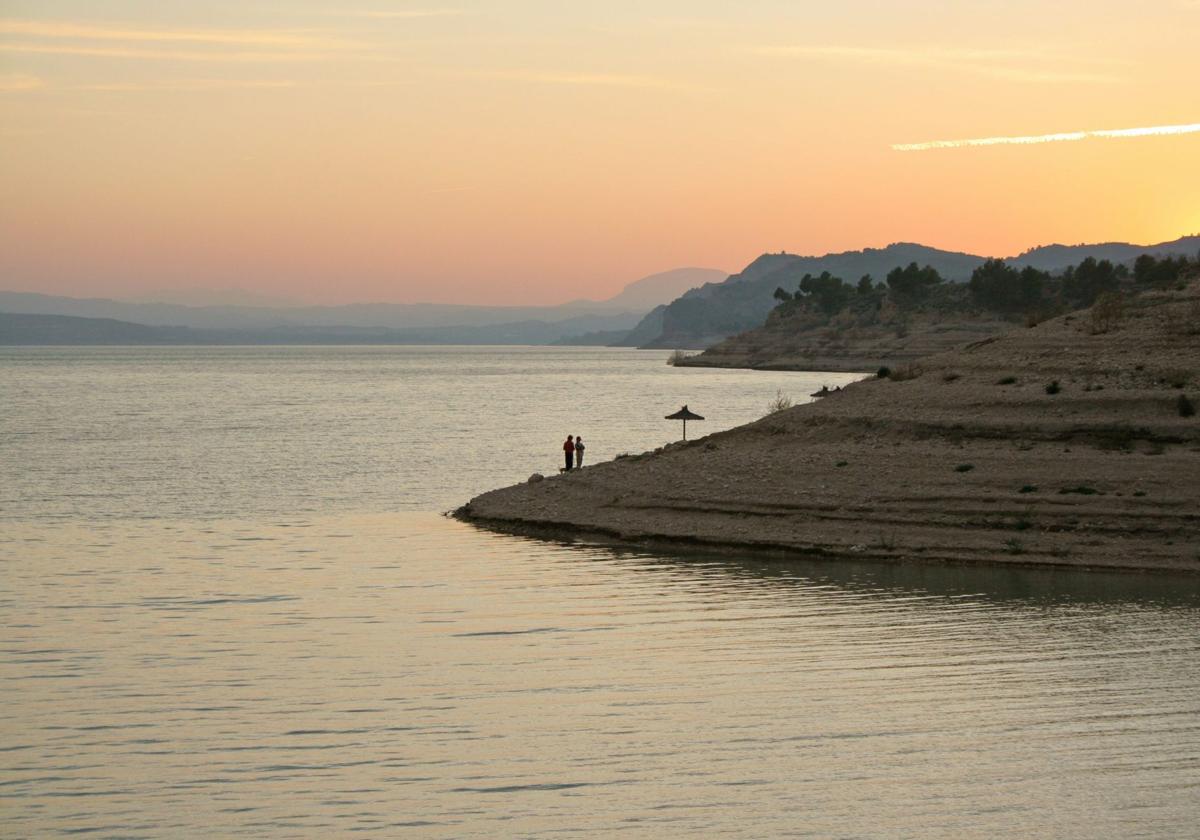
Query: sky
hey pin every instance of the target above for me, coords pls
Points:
(530, 152)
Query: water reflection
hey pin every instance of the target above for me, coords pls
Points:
(328, 675)
(999, 584)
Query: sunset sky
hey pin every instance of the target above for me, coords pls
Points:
(536, 152)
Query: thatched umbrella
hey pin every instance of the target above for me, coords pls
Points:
(684, 415)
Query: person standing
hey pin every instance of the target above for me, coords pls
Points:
(569, 451)
(579, 447)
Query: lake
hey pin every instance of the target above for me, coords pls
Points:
(231, 607)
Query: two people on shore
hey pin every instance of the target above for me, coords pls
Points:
(573, 452)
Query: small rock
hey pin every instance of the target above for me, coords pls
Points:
(535, 478)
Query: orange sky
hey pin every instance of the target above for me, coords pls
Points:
(533, 152)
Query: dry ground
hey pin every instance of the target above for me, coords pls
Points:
(948, 465)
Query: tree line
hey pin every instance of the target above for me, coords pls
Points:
(994, 286)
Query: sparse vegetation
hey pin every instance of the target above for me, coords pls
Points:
(1008, 380)
(841, 463)
(964, 468)
(1014, 546)
(780, 403)
(1080, 489)
(1107, 312)
(677, 356)
(884, 372)
(1028, 488)
(1053, 387)
(1179, 320)
(906, 372)
(1176, 378)
(951, 376)
(1185, 406)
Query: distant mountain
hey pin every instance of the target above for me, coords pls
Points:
(385, 315)
(428, 322)
(212, 297)
(27, 329)
(1057, 257)
(706, 315)
(664, 287)
(23, 329)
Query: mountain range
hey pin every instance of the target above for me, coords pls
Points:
(139, 322)
(692, 307)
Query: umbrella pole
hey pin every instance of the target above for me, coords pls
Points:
(685, 428)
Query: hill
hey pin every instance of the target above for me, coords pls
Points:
(1072, 443)
(706, 315)
(427, 323)
(26, 329)
(658, 289)
(828, 324)
(21, 329)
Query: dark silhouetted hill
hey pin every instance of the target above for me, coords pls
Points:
(706, 315)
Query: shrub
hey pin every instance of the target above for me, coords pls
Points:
(1014, 546)
(884, 372)
(964, 468)
(1107, 313)
(1028, 488)
(907, 372)
(1008, 380)
(951, 376)
(1185, 407)
(841, 463)
(677, 357)
(1177, 378)
(1053, 387)
(1081, 489)
(780, 403)
(1179, 320)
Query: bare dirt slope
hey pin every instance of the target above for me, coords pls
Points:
(786, 344)
(970, 459)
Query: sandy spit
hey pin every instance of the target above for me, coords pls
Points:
(1055, 445)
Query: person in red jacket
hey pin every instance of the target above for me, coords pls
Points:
(569, 450)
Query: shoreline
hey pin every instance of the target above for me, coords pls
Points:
(690, 547)
(1056, 446)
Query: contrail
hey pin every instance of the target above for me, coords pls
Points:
(1147, 131)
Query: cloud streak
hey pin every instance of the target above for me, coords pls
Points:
(263, 38)
(81, 38)
(1009, 64)
(1063, 137)
(404, 14)
(19, 81)
(186, 85)
(162, 55)
(582, 79)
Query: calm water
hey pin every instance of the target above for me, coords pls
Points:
(230, 608)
